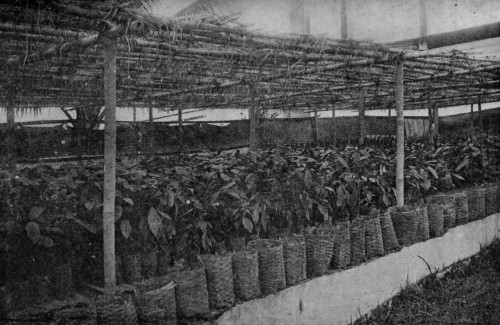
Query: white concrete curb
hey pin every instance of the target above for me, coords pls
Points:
(342, 297)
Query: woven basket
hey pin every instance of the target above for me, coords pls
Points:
(76, 315)
(149, 263)
(357, 241)
(294, 253)
(341, 246)
(423, 224)
(490, 203)
(436, 219)
(476, 201)
(449, 215)
(461, 207)
(116, 310)
(388, 234)
(246, 274)
(191, 291)
(219, 270)
(374, 244)
(131, 267)
(237, 244)
(155, 301)
(405, 223)
(271, 264)
(319, 251)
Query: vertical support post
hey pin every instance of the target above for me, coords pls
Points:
(316, 138)
(423, 26)
(334, 124)
(253, 119)
(11, 115)
(361, 118)
(343, 19)
(400, 133)
(471, 116)
(435, 113)
(134, 112)
(181, 145)
(479, 112)
(430, 117)
(150, 109)
(109, 164)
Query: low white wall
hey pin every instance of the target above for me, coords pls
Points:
(342, 297)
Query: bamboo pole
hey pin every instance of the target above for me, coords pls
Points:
(479, 112)
(435, 115)
(109, 164)
(181, 144)
(343, 19)
(430, 118)
(334, 124)
(361, 118)
(400, 124)
(316, 138)
(134, 112)
(253, 120)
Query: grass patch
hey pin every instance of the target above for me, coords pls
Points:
(466, 293)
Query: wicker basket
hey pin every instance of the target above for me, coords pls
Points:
(490, 203)
(294, 253)
(423, 224)
(405, 221)
(219, 270)
(116, 310)
(319, 251)
(131, 267)
(149, 263)
(436, 219)
(237, 244)
(388, 234)
(341, 246)
(357, 241)
(271, 264)
(155, 301)
(246, 274)
(476, 201)
(191, 291)
(374, 244)
(449, 215)
(461, 207)
(76, 315)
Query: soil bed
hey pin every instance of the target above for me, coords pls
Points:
(466, 293)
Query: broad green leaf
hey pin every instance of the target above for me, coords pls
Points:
(164, 215)
(308, 178)
(33, 230)
(459, 177)
(89, 205)
(247, 224)
(464, 163)
(35, 212)
(125, 228)
(323, 210)
(343, 162)
(118, 212)
(433, 172)
(255, 215)
(154, 221)
(129, 201)
(170, 199)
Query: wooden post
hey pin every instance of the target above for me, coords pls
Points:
(429, 112)
(471, 116)
(343, 19)
(253, 120)
(109, 164)
(400, 135)
(479, 110)
(423, 26)
(361, 118)
(11, 115)
(316, 138)
(181, 145)
(334, 124)
(435, 115)
(150, 108)
(135, 113)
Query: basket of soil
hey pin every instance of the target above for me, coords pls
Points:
(374, 245)
(149, 263)
(271, 264)
(246, 274)
(191, 291)
(219, 271)
(388, 234)
(358, 246)
(423, 224)
(405, 221)
(155, 301)
(319, 252)
(490, 203)
(341, 257)
(449, 208)
(294, 253)
(131, 268)
(116, 310)
(476, 202)
(237, 244)
(436, 219)
(461, 207)
(81, 314)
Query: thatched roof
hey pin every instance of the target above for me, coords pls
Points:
(51, 56)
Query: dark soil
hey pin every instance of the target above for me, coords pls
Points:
(467, 293)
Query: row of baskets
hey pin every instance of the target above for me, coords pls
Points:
(266, 266)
